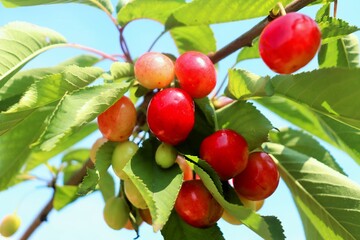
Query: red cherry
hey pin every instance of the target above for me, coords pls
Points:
(196, 74)
(118, 121)
(196, 206)
(289, 42)
(154, 70)
(171, 115)
(259, 179)
(226, 151)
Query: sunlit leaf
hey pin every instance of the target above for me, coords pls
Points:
(334, 132)
(317, 90)
(159, 187)
(20, 42)
(77, 109)
(343, 52)
(329, 200)
(64, 195)
(96, 3)
(194, 38)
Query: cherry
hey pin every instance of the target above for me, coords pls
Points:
(259, 179)
(185, 167)
(146, 216)
(122, 154)
(9, 225)
(154, 70)
(95, 147)
(196, 206)
(165, 155)
(116, 212)
(129, 225)
(289, 42)
(196, 74)
(226, 151)
(118, 121)
(133, 195)
(171, 115)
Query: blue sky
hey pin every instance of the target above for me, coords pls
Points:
(91, 27)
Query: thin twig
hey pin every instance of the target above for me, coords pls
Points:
(42, 216)
(247, 38)
(124, 47)
(93, 50)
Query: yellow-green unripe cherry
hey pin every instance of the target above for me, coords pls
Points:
(133, 195)
(122, 154)
(9, 225)
(165, 155)
(116, 212)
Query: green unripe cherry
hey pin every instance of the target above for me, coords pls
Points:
(122, 154)
(165, 155)
(116, 212)
(9, 225)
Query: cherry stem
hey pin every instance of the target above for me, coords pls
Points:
(124, 47)
(93, 50)
(335, 7)
(247, 38)
(281, 8)
(156, 40)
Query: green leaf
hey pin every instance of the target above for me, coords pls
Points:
(158, 10)
(52, 88)
(323, 12)
(158, 186)
(39, 157)
(13, 89)
(205, 124)
(334, 28)
(336, 133)
(122, 71)
(177, 229)
(95, 3)
(329, 200)
(89, 182)
(249, 52)
(194, 38)
(106, 185)
(104, 156)
(20, 42)
(317, 89)
(267, 227)
(343, 52)
(64, 195)
(245, 85)
(205, 12)
(77, 109)
(245, 119)
(14, 145)
(305, 144)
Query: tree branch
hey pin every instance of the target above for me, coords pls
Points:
(247, 38)
(42, 216)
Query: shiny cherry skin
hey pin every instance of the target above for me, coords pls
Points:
(118, 121)
(259, 179)
(171, 115)
(226, 151)
(289, 42)
(196, 74)
(154, 70)
(196, 206)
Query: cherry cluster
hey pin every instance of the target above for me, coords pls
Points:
(171, 117)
